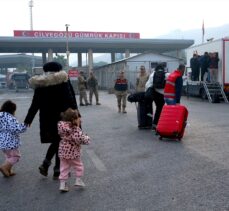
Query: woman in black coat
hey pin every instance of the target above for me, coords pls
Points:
(53, 94)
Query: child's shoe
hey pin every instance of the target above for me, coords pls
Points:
(12, 173)
(5, 169)
(63, 187)
(79, 182)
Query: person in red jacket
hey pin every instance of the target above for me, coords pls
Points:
(173, 86)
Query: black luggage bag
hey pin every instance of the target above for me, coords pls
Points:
(144, 114)
(136, 97)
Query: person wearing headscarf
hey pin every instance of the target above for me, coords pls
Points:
(53, 94)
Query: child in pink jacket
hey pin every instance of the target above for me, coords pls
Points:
(70, 148)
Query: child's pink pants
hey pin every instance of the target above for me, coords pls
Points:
(66, 164)
(12, 155)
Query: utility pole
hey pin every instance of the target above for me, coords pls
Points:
(31, 27)
(67, 47)
(31, 14)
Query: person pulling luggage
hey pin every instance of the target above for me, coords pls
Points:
(156, 82)
(173, 86)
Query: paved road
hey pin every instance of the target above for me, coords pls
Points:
(128, 169)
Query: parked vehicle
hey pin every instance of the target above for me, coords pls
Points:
(19, 80)
(2, 81)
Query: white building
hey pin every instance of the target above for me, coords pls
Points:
(107, 74)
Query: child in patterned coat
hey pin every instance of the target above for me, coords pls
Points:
(10, 129)
(70, 147)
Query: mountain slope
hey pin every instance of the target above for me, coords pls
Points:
(196, 34)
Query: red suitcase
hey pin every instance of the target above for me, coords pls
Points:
(172, 122)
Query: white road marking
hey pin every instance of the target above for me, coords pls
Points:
(97, 162)
(6, 97)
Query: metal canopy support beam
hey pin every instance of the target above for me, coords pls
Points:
(90, 59)
(79, 59)
(50, 55)
(127, 53)
(44, 59)
(112, 57)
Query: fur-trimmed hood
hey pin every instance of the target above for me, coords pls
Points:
(48, 79)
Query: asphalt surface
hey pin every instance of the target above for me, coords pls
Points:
(126, 168)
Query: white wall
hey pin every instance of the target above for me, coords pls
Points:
(226, 57)
(108, 73)
(146, 59)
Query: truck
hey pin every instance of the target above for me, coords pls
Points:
(18, 80)
(210, 90)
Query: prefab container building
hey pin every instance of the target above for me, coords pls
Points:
(107, 74)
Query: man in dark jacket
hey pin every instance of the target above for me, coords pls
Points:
(195, 66)
(53, 94)
(204, 62)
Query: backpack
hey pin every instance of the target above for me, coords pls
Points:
(159, 79)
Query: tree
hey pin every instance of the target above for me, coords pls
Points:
(98, 64)
(23, 68)
(61, 59)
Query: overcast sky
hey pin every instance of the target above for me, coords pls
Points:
(151, 18)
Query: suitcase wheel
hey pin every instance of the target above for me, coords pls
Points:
(160, 138)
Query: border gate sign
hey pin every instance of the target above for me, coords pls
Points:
(76, 34)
